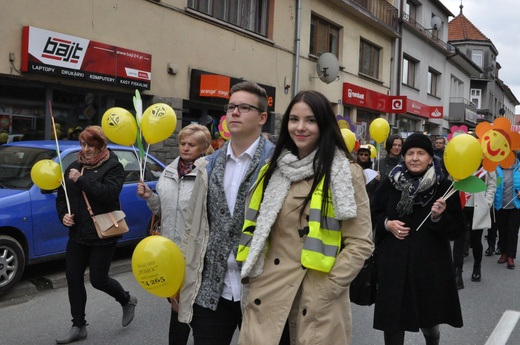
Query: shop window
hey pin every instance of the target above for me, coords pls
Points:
(252, 15)
(324, 37)
(22, 110)
(369, 59)
(433, 82)
(409, 68)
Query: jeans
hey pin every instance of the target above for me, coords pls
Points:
(216, 327)
(78, 257)
(508, 221)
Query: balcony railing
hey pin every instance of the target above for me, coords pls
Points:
(380, 9)
(431, 34)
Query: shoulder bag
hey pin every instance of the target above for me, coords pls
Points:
(363, 288)
(109, 224)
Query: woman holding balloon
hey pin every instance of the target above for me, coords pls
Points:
(415, 219)
(171, 202)
(97, 174)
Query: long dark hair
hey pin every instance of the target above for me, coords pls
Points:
(329, 139)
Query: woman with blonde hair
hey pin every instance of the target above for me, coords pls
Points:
(172, 200)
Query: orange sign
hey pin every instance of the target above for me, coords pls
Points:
(214, 85)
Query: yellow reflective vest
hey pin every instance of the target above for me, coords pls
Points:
(323, 240)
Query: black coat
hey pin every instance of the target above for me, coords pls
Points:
(102, 187)
(416, 285)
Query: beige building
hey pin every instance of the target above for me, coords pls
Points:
(84, 57)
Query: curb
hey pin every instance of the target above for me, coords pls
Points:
(26, 288)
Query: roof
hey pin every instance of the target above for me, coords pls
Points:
(462, 29)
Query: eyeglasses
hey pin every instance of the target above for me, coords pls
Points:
(242, 108)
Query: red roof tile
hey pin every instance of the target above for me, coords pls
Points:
(461, 28)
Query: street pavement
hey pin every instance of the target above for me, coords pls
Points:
(31, 316)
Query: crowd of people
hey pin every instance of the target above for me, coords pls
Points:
(274, 233)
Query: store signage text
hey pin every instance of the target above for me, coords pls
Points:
(49, 52)
(214, 85)
(369, 99)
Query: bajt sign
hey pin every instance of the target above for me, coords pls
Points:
(53, 53)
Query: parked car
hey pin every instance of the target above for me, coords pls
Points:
(30, 231)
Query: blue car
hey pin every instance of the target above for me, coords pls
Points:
(30, 231)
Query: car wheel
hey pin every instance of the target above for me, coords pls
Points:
(12, 262)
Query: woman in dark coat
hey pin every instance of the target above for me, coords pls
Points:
(416, 288)
(97, 173)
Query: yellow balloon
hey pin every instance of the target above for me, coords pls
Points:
(379, 130)
(4, 137)
(46, 174)
(158, 123)
(373, 151)
(119, 126)
(158, 266)
(349, 137)
(343, 124)
(462, 156)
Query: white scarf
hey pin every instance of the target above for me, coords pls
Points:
(291, 169)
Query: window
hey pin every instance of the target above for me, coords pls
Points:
(457, 87)
(251, 15)
(369, 59)
(324, 37)
(476, 56)
(433, 82)
(411, 10)
(409, 68)
(476, 95)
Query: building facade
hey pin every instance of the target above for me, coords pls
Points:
(78, 59)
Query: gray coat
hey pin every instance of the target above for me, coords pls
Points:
(196, 235)
(171, 200)
(482, 202)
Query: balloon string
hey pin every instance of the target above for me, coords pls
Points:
(138, 161)
(62, 182)
(510, 201)
(378, 155)
(144, 164)
(449, 192)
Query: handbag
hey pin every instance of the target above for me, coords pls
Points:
(155, 225)
(363, 288)
(108, 224)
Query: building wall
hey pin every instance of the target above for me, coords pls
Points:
(173, 34)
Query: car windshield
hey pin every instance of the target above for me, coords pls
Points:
(16, 163)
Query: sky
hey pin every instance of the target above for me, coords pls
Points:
(498, 21)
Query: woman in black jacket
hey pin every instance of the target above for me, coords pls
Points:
(97, 173)
(416, 284)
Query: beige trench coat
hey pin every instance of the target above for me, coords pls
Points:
(317, 304)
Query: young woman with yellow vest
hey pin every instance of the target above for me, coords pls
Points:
(306, 235)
